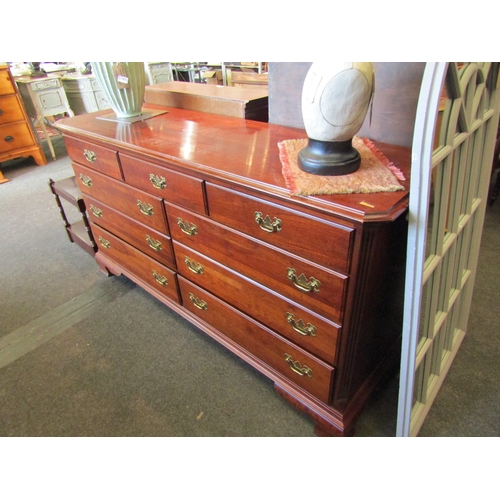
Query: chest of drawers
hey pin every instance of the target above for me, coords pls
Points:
(309, 290)
(17, 138)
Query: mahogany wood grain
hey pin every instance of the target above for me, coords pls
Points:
(96, 157)
(153, 243)
(262, 303)
(181, 189)
(123, 197)
(262, 263)
(148, 270)
(236, 150)
(223, 170)
(259, 341)
(304, 236)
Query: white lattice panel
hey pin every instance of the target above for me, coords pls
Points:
(452, 153)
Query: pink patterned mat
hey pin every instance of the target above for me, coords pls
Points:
(376, 173)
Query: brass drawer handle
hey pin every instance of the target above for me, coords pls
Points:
(301, 282)
(297, 367)
(157, 181)
(89, 155)
(193, 266)
(145, 208)
(154, 244)
(105, 243)
(160, 279)
(200, 304)
(8, 138)
(86, 180)
(96, 211)
(266, 224)
(299, 326)
(186, 227)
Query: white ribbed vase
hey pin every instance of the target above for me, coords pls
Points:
(125, 102)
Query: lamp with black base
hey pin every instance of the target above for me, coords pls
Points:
(335, 99)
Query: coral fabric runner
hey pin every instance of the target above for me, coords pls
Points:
(376, 173)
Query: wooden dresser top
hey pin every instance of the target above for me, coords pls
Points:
(237, 151)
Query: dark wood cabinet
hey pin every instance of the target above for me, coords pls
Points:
(186, 204)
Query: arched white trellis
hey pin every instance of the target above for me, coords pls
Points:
(452, 151)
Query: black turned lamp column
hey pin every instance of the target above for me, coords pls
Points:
(335, 99)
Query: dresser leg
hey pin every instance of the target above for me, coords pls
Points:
(321, 431)
(39, 158)
(328, 422)
(2, 178)
(105, 270)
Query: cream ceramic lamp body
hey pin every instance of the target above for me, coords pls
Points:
(335, 99)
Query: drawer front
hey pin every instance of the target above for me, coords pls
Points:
(156, 245)
(159, 66)
(10, 109)
(148, 270)
(6, 86)
(46, 84)
(317, 240)
(82, 85)
(313, 287)
(96, 157)
(282, 356)
(177, 188)
(132, 202)
(304, 328)
(15, 136)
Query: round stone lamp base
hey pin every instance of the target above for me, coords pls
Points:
(329, 158)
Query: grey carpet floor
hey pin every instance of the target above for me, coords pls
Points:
(82, 354)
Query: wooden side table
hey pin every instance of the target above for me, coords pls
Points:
(79, 232)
